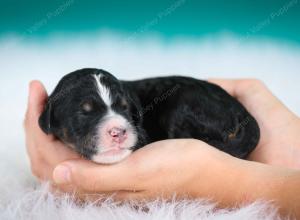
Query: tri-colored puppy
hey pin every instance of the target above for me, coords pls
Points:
(105, 119)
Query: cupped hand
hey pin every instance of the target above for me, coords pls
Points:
(44, 151)
(185, 167)
(280, 128)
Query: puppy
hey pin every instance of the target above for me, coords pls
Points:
(106, 119)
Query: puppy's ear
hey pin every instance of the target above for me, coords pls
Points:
(136, 111)
(45, 118)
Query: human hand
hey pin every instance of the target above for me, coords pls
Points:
(160, 168)
(44, 151)
(279, 143)
(183, 167)
(141, 175)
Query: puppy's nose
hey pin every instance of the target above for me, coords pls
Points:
(118, 134)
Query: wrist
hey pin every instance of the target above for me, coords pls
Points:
(275, 184)
(230, 181)
(258, 182)
(218, 177)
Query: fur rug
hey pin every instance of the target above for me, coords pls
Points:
(23, 198)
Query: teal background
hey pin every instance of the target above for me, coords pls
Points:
(190, 19)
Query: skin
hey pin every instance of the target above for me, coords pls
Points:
(279, 143)
(162, 168)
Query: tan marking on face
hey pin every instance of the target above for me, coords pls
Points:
(124, 103)
(87, 106)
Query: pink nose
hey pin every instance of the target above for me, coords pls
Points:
(118, 134)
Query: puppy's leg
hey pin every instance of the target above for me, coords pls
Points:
(235, 134)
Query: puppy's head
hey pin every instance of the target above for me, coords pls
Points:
(92, 112)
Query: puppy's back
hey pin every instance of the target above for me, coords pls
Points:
(184, 107)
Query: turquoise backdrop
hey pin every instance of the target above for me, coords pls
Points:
(276, 19)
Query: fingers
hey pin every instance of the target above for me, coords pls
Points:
(37, 98)
(98, 196)
(44, 151)
(240, 87)
(252, 93)
(90, 177)
(36, 101)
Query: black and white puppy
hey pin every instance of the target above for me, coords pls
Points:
(105, 119)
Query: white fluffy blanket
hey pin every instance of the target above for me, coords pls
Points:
(20, 61)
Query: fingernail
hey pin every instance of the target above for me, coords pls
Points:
(62, 174)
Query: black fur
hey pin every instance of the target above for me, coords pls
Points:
(159, 108)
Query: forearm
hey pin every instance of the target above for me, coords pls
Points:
(234, 182)
(278, 185)
(290, 194)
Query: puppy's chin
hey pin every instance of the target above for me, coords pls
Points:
(111, 156)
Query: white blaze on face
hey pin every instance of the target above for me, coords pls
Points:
(109, 151)
(103, 91)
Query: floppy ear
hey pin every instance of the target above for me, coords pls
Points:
(136, 110)
(45, 118)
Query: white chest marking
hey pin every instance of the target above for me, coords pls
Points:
(103, 91)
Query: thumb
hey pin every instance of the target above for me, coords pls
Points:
(37, 98)
(88, 176)
(36, 101)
